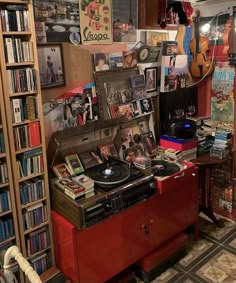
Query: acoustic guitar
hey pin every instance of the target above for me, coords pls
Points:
(232, 41)
(200, 65)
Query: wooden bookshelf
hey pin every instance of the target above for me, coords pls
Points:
(25, 145)
(10, 210)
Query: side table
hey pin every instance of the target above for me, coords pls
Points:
(206, 165)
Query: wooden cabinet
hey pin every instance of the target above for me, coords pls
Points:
(147, 13)
(24, 133)
(96, 254)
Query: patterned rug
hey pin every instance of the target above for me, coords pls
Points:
(211, 259)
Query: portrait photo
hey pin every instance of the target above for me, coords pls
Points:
(146, 105)
(151, 79)
(51, 65)
(101, 62)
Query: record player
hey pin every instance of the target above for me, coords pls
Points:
(118, 185)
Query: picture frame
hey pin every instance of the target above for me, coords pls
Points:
(151, 75)
(51, 67)
(60, 18)
(146, 105)
(103, 77)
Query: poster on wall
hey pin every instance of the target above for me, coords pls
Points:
(125, 20)
(222, 100)
(95, 21)
(60, 18)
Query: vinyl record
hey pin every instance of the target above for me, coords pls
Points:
(105, 175)
(161, 168)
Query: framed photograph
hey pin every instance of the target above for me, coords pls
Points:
(146, 105)
(110, 77)
(155, 38)
(149, 143)
(151, 79)
(118, 92)
(60, 18)
(51, 65)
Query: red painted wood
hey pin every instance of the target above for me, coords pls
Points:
(96, 254)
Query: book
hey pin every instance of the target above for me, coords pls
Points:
(84, 181)
(74, 163)
(34, 133)
(70, 185)
(61, 170)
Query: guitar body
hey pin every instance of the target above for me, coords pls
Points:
(200, 65)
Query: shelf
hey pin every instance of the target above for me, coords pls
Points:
(33, 202)
(2, 155)
(16, 32)
(5, 213)
(20, 64)
(25, 122)
(36, 228)
(11, 101)
(23, 93)
(30, 177)
(38, 253)
(27, 149)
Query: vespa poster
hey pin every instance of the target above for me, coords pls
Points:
(222, 100)
(96, 21)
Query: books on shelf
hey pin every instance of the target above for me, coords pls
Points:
(34, 215)
(15, 18)
(31, 190)
(5, 202)
(37, 241)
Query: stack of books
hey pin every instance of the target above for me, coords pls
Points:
(71, 188)
(87, 183)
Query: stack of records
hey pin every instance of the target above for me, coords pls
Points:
(142, 162)
(87, 183)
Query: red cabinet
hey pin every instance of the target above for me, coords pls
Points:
(96, 254)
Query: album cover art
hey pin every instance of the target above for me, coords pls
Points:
(146, 105)
(114, 111)
(132, 152)
(107, 150)
(115, 60)
(126, 111)
(90, 158)
(101, 62)
(149, 143)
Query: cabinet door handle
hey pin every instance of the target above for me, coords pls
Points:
(179, 176)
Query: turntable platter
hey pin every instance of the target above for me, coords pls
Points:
(161, 168)
(105, 175)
